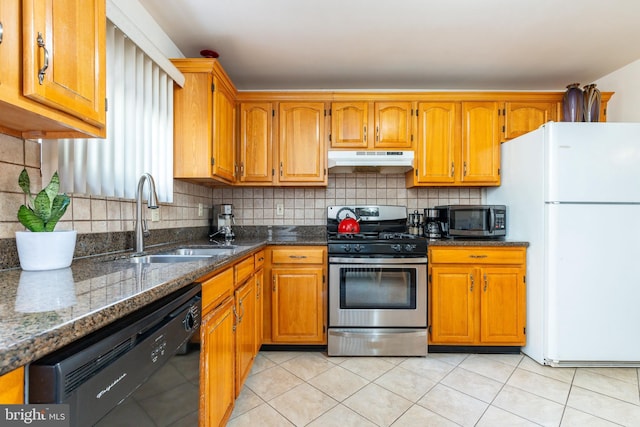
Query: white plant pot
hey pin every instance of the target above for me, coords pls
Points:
(45, 250)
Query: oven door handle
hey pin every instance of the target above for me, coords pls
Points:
(358, 260)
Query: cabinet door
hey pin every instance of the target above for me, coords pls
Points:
(12, 387)
(480, 143)
(349, 124)
(259, 310)
(64, 56)
(217, 365)
(438, 141)
(245, 300)
(223, 133)
(256, 143)
(393, 125)
(502, 306)
(302, 147)
(523, 117)
(452, 302)
(297, 305)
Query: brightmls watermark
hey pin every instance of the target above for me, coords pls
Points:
(49, 415)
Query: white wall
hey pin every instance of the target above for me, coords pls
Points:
(624, 106)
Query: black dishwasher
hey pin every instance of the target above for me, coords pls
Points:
(97, 372)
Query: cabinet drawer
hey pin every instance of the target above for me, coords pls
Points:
(477, 255)
(216, 289)
(298, 255)
(243, 270)
(258, 260)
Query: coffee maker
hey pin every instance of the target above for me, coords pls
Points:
(432, 226)
(222, 222)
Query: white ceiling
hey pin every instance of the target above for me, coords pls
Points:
(407, 44)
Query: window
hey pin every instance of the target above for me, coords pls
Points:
(139, 130)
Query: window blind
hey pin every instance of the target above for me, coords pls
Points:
(139, 131)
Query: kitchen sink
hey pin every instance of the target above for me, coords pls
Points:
(168, 258)
(210, 251)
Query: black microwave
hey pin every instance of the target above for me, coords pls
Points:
(473, 221)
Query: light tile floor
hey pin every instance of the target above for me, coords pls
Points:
(311, 389)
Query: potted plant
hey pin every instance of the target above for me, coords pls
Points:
(40, 248)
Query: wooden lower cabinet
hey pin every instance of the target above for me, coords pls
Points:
(245, 312)
(298, 295)
(217, 349)
(477, 296)
(12, 387)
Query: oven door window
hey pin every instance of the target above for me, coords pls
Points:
(377, 288)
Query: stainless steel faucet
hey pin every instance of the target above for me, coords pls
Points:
(152, 203)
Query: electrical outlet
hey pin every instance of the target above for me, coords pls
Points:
(155, 215)
(279, 209)
(200, 209)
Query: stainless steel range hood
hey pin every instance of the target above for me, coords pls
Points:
(384, 162)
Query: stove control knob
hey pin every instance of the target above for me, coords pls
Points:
(357, 247)
(346, 248)
(409, 247)
(397, 247)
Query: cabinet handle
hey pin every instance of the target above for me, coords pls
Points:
(1, 32)
(281, 167)
(298, 256)
(257, 289)
(477, 256)
(485, 283)
(453, 169)
(464, 169)
(274, 283)
(365, 132)
(242, 310)
(46, 59)
(261, 259)
(472, 283)
(377, 133)
(237, 319)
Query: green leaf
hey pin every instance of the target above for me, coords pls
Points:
(24, 182)
(29, 219)
(53, 187)
(42, 206)
(60, 204)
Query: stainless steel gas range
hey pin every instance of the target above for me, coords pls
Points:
(377, 284)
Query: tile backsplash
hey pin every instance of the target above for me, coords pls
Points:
(252, 205)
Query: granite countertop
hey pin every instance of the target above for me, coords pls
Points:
(42, 311)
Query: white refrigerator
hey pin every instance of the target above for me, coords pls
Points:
(572, 190)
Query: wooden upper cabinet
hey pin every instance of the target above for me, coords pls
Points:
(349, 121)
(523, 117)
(204, 123)
(371, 125)
(302, 151)
(53, 68)
(438, 142)
(223, 119)
(480, 143)
(64, 58)
(256, 142)
(458, 144)
(393, 125)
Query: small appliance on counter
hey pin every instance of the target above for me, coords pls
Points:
(473, 221)
(223, 220)
(432, 225)
(416, 224)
